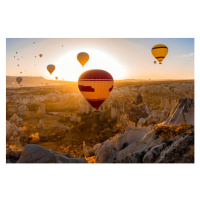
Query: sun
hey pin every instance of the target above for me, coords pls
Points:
(69, 69)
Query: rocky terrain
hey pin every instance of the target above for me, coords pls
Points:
(151, 122)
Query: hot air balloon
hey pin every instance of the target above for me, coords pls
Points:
(20, 72)
(40, 55)
(33, 42)
(159, 51)
(83, 58)
(18, 65)
(95, 85)
(16, 52)
(51, 68)
(35, 56)
(62, 45)
(154, 62)
(14, 56)
(18, 59)
(56, 78)
(19, 80)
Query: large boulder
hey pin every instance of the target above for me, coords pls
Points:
(182, 113)
(180, 151)
(16, 120)
(136, 157)
(106, 154)
(22, 110)
(138, 146)
(33, 153)
(131, 135)
(154, 153)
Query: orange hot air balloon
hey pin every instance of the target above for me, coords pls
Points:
(95, 85)
(51, 68)
(83, 58)
(159, 51)
(56, 78)
(40, 55)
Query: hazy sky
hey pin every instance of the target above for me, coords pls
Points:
(123, 58)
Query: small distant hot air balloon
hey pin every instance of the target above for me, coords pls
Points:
(18, 59)
(35, 56)
(83, 58)
(154, 62)
(16, 52)
(18, 65)
(20, 72)
(33, 42)
(95, 85)
(14, 56)
(56, 78)
(62, 45)
(51, 68)
(19, 80)
(40, 55)
(159, 51)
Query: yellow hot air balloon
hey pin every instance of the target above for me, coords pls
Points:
(51, 68)
(159, 51)
(83, 58)
(154, 62)
(95, 85)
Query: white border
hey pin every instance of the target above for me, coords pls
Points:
(104, 19)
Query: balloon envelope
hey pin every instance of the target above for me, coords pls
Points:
(40, 55)
(159, 51)
(51, 68)
(95, 85)
(19, 80)
(56, 78)
(83, 58)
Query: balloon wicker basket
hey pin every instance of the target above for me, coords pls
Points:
(97, 112)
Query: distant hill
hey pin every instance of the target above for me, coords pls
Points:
(32, 81)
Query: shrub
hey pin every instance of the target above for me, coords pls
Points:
(172, 130)
(34, 138)
(28, 116)
(38, 114)
(33, 106)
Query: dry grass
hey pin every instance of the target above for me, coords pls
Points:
(90, 159)
(172, 130)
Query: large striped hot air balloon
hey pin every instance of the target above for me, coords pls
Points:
(83, 58)
(95, 85)
(159, 51)
(51, 68)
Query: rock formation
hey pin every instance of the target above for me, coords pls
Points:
(33, 153)
(16, 120)
(23, 110)
(182, 113)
